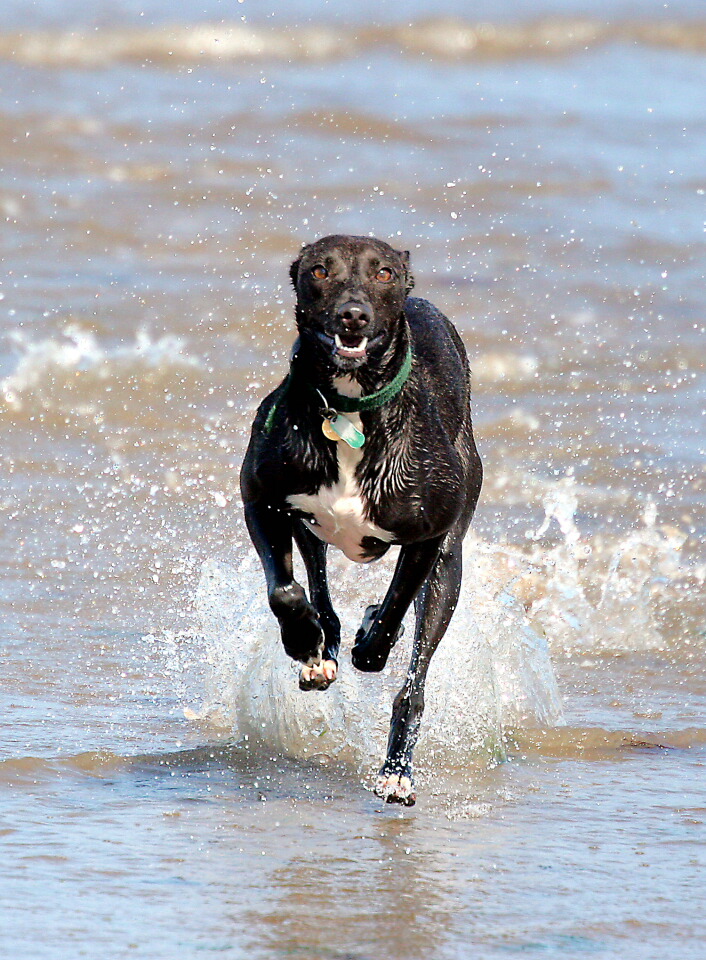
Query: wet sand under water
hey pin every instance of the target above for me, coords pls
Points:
(165, 789)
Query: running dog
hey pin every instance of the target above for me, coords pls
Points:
(366, 444)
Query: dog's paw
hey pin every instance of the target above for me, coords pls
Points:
(396, 788)
(303, 641)
(366, 657)
(370, 653)
(302, 633)
(318, 676)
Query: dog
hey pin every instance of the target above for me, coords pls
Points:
(367, 443)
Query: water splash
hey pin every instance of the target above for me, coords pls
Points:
(491, 670)
(599, 595)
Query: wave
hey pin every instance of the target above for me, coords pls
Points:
(32, 770)
(107, 765)
(440, 38)
(69, 374)
(597, 743)
(558, 742)
(497, 367)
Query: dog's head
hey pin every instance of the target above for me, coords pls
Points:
(350, 298)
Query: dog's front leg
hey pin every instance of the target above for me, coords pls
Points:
(381, 626)
(319, 676)
(270, 528)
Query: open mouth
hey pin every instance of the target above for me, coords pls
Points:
(351, 348)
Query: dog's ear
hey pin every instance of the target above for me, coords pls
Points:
(294, 271)
(409, 278)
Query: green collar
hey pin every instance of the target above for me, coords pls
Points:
(342, 404)
(371, 401)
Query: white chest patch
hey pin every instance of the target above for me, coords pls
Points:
(339, 511)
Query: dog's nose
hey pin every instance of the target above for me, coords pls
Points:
(353, 315)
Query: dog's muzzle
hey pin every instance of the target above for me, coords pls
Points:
(352, 318)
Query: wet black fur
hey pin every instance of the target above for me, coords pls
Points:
(420, 473)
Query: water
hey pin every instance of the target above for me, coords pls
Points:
(165, 790)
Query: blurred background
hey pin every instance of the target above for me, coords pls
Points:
(160, 169)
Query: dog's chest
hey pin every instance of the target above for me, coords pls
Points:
(338, 513)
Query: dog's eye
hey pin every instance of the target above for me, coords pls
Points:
(319, 272)
(384, 275)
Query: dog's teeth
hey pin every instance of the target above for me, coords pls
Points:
(345, 351)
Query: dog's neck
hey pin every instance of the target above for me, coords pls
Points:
(347, 385)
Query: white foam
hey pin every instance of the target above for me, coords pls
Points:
(497, 367)
(441, 37)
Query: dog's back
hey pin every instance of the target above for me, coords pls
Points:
(442, 355)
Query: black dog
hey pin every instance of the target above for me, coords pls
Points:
(368, 442)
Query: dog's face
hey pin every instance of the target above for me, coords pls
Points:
(350, 297)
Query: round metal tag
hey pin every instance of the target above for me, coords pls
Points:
(329, 432)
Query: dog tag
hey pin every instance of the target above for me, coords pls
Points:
(328, 431)
(343, 429)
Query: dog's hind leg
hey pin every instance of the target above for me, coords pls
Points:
(381, 626)
(321, 675)
(434, 608)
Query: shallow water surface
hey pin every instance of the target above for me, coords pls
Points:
(165, 789)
